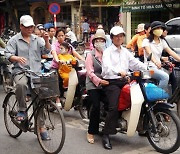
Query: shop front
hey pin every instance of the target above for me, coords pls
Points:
(148, 11)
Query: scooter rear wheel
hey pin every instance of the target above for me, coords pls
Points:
(167, 137)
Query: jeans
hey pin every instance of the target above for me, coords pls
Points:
(162, 77)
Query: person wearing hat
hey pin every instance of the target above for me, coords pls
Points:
(116, 62)
(24, 50)
(147, 28)
(155, 44)
(94, 82)
(132, 45)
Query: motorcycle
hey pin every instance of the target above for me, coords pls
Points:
(149, 113)
(75, 95)
(6, 72)
(175, 81)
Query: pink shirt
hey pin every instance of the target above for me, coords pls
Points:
(56, 47)
(90, 69)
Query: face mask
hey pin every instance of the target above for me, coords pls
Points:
(158, 32)
(63, 51)
(100, 46)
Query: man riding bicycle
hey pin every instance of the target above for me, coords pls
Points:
(24, 50)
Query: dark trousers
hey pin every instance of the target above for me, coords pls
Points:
(95, 96)
(85, 37)
(112, 92)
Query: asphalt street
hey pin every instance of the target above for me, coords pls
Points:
(75, 142)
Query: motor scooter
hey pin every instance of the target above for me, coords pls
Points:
(5, 72)
(75, 95)
(149, 112)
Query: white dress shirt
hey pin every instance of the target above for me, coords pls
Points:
(116, 60)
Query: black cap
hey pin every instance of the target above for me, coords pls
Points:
(156, 24)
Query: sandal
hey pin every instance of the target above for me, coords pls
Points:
(167, 118)
(45, 136)
(21, 116)
(90, 138)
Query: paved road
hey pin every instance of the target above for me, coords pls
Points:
(75, 142)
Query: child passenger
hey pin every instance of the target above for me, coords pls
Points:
(66, 61)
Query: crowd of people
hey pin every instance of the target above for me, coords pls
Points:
(106, 65)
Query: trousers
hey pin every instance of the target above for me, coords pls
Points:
(112, 92)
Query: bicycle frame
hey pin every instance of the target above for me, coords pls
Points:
(26, 124)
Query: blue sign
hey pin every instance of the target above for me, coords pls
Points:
(54, 8)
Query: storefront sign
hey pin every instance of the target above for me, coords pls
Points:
(148, 7)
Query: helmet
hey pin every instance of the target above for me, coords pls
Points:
(99, 34)
(40, 26)
(156, 24)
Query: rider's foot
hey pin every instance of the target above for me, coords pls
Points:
(21, 116)
(44, 134)
(106, 142)
(90, 138)
(59, 105)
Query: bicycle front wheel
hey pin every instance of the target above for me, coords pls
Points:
(54, 124)
(10, 105)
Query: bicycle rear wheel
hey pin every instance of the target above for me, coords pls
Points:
(54, 123)
(10, 111)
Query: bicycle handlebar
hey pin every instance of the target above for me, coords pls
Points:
(34, 73)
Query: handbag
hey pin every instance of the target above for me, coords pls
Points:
(125, 98)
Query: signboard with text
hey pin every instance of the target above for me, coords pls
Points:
(148, 7)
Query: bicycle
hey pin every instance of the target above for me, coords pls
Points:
(46, 90)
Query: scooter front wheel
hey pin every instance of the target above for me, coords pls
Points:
(166, 138)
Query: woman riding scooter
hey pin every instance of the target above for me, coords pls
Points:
(155, 44)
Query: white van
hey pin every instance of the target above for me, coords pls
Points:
(173, 36)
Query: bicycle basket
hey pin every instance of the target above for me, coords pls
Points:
(47, 86)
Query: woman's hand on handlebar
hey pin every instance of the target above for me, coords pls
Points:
(104, 82)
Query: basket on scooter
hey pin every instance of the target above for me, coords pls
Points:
(47, 86)
(155, 93)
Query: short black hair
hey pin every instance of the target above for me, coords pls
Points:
(146, 26)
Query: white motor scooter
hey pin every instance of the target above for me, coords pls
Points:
(75, 96)
(149, 113)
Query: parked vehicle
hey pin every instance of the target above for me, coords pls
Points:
(5, 72)
(173, 36)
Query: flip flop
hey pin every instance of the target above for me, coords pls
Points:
(45, 136)
(90, 138)
(21, 116)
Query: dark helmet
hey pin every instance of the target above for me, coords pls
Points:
(156, 24)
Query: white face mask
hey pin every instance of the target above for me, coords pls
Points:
(63, 51)
(158, 32)
(100, 46)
